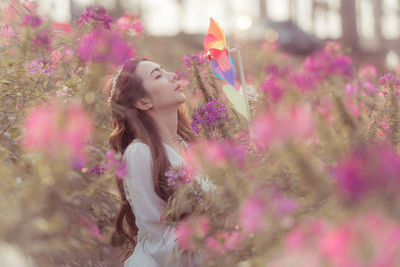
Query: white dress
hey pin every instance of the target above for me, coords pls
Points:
(156, 244)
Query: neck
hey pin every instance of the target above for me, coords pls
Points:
(167, 123)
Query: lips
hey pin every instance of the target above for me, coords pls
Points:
(179, 88)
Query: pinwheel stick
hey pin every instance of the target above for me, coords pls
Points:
(243, 81)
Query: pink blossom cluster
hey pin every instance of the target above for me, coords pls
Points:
(365, 241)
(96, 16)
(190, 229)
(370, 168)
(283, 125)
(257, 209)
(54, 128)
(321, 65)
(6, 33)
(197, 229)
(129, 23)
(177, 176)
(33, 21)
(42, 65)
(104, 47)
(115, 161)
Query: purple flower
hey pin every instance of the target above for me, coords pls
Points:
(41, 65)
(199, 59)
(42, 40)
(31, 20)
(97, 16)
(114, 161)
(177, 176)
(104, 46)
(330, 61)
(369, 88)
(370, 168)
(304, 81)
(208, 116)
(97, 170)
(273, 87)
(389, 78)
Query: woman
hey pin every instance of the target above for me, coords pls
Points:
(151, 132)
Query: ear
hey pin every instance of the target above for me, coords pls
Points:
(143, 103)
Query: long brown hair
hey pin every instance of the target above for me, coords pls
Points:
(131, 123)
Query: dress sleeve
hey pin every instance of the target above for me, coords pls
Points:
(148, 206)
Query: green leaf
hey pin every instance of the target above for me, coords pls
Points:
(238, 101)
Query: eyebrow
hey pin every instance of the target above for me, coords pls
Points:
(158, 68)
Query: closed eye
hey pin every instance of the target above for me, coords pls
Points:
(158, 76)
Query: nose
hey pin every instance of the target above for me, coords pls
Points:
(173, 77)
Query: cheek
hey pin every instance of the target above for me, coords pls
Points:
(159, 92)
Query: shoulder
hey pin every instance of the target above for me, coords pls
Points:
(137, 149)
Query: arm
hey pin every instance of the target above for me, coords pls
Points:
(147, 205)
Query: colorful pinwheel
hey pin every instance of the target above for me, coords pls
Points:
(217, 52)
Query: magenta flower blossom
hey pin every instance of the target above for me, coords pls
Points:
(389, 78)
(222, 242)
(128, 23)
(220, 153)
(6, 34)
(97, 170)
(199, 59)
(104, 46)
(33, 21)
(183, 233)
(273, 88)
(372, 168)
(95, 16)
(177, 176)
(368, 72)
(54, 128)
(330, 61)
(276, 126)
(304, 81)
(43, 40)
(320, 243)
(115, 161)
(251, 214)
(208, 116)
(369, 88)
(42, 65)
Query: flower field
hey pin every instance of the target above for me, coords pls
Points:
(316, 184)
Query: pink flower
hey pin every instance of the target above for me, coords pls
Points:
(62, 54)
(41, 130)
(43, 40)
(6, 34)
(283, 125)
(114, 161)
(103, 46)
(224, 241)
(368, 72)
(96, 16)
(129, 22)
(372, 168)
(183, 233)
(215, 245)
(54, 128)
(304, 81)
(352, 107)
(273, 87)
(32, 20)
(252, 212)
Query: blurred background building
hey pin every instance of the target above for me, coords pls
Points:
(371, 28)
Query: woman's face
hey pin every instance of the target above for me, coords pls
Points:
(162, 86)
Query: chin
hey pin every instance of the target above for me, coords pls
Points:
(182, 99)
